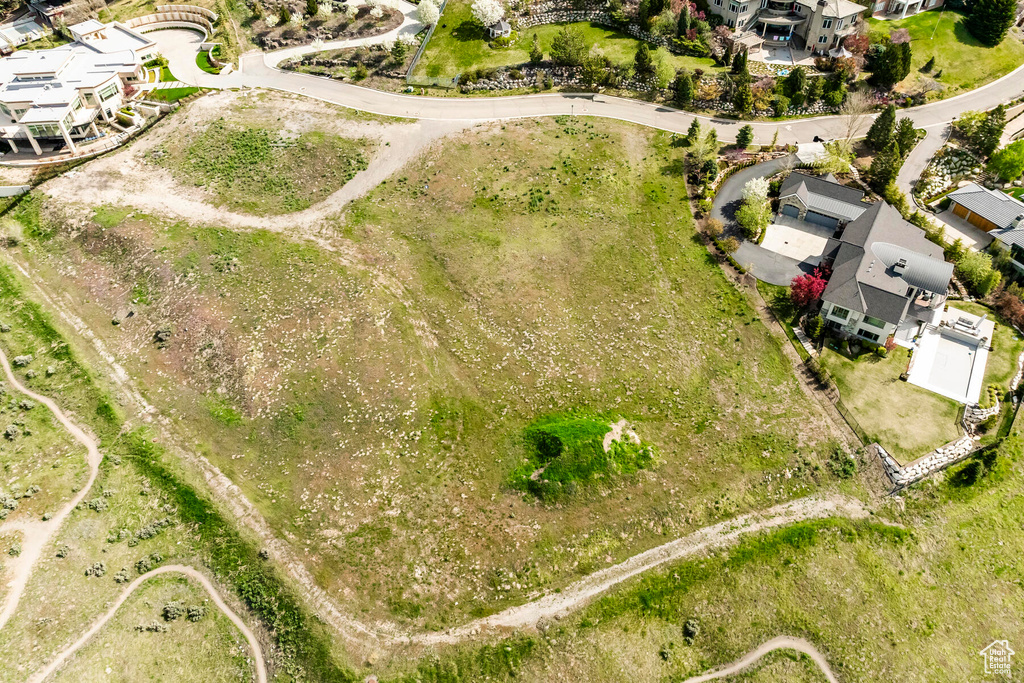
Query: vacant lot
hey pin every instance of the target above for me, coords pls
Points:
(964, 62)
(253, 164)
(907, 420)
(459, 44)
(371, 397)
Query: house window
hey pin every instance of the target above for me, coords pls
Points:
(839, 25)
(108, 92)
(822, 39)
(89, 99)
(4, 109)
(744, 8)
(718, 3)
(731, 23)
(871, 336)
(874, 322)
(764, 4)
(839, 312)
(835, 40)
(733, 7)
(827, 23)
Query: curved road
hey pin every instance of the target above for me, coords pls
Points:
(780, 643)
(261, 668)
(258, 70)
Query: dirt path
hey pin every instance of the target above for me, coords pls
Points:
(724, 533)
(780, 643)
(37, 533)
(261, 669)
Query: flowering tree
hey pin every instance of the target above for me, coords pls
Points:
(806, 289)
(427, 13)
(756, 188)
(488, 12)
(377, 12)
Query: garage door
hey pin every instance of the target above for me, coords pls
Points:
(790, 210)
(821, 219)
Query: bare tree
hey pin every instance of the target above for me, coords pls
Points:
(856, 112)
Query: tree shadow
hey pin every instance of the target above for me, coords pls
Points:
(468, 31)
(675, 168)
(964, 37)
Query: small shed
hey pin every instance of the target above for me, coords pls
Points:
(500, 29)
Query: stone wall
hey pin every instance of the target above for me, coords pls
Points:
(939, 459)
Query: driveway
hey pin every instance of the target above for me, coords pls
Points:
(797, 239)
(919, 157)
(957, 228)
(764, 264)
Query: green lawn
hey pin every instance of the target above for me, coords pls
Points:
(907, 420)
(964, 62)
(171, 94)
(1016, 192)
(204, 63)
(459, 44)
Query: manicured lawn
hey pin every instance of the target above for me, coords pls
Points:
(171, 94)
(204, 63)
(1016, 192)
(907, 420)
(965, 63)
(459, 44)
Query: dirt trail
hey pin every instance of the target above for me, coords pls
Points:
(780, 643)
(261, 668)
(578, 594)
(36, 533)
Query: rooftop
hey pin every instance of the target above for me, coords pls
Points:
(834, 8)
(825, 195)
(998, 207)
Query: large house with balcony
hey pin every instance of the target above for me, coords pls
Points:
(54, 97)
(813, 25)
(886, 277)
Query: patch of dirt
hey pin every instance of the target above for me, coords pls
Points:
(337, 26)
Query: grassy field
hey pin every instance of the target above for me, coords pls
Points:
(264, 170)
(965, 63)
(459, 43)
(372, 400)
(907, 420)
(171, 94)
(121, 653)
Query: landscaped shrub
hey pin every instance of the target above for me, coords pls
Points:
(196, 612)
(814, 326)
(96, 569)
(172, 610)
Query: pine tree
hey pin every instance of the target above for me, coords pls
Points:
(795, 82)
(905, 135)
(312, 9)
(284, 15)
(989, 20)
(643, 15)
(745, 136)
(986, 140)
(744, 100)
(536, 54)
(643, 63)
(683, 27)
(881, 131)
(684, 89)
(693, 132)
(904, 56)
(885, 167)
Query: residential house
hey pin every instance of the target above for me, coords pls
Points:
(500, 29)
(55, 96)
(986, 209)
(885, 276)
(903, 8)
(812, 25)
(822, 201)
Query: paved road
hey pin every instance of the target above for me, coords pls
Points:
(765, 265)
(257, 70)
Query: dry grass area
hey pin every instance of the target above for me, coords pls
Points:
(369, 393)
(121, 652)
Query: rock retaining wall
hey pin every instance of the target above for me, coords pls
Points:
(939, 459)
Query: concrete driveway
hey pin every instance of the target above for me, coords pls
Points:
(957, 228)
(791, 237)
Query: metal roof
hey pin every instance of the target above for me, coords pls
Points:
(824, 195)
(917, 270)
(998, 207)
(1010, 236)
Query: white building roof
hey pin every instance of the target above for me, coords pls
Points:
(87, 26)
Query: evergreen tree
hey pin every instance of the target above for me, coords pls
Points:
(644, 15)
(744, 99)
(905, 135)
(683, 27)
(745, 136)
(684, 89)
(891, 65)
(904, 55)
(795, 82)
(986, 139)
(643, 63)
(989, 20)
(737, 62)
(536, 54)
(284, 15)
(881, 131)
(885, 167)
(312, 8)
(693, 132)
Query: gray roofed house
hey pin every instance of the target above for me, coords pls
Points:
(885, 272)
(822, 201)
(986, 209)
(500, 29)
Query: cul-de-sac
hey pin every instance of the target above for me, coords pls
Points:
(522, 341)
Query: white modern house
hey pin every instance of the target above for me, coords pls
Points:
(55, 96)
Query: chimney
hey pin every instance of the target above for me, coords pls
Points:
(1017, 221)
(900, 266)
